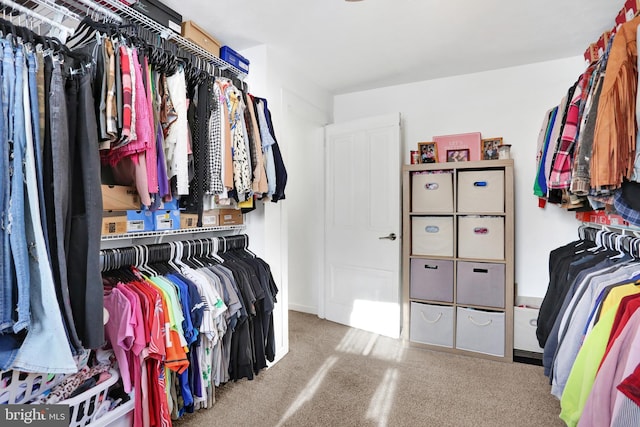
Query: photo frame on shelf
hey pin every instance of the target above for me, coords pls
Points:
(490, 148)
(428, 152)
(462, 141)
(461, 155)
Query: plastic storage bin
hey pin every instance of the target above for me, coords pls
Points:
(234, 58)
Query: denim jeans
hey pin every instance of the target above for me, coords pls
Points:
(46, 334)
(8, 82)
(83, 249)
(37, 144)
(17, 202)
(60, 184)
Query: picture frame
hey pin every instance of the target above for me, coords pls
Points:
(490, 148)
(428, 152)
(461, 155)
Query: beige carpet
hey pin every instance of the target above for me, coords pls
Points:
(338, 376)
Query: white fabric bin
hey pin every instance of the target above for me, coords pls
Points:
(481, 237)
(525, 323)
(432, 235)
(431, 324)
(480, 331)
(432, 192)
(481, 191)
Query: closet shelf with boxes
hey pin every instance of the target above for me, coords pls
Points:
(458, 257)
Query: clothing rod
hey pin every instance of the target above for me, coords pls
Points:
(170, 35)
(57, 8)
(604, 236)
(95, 5)
(116, 258)
(35, 15)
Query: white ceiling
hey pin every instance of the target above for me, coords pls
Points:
(350, 46)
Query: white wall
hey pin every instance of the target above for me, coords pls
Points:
(511, 103)
(282, 233)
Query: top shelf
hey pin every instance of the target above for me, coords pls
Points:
(482, 164)
(168, 34)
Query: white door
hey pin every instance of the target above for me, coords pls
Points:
(362, 217)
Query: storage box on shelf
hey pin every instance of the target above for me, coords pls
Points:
(193, 32)
(458, 257)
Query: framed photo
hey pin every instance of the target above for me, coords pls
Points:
(490, 148)
(428, 152)
(458, 155)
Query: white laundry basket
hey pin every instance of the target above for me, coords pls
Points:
(84, 407)
(18, 387)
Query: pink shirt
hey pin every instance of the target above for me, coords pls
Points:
(119, 331)
(620, 362)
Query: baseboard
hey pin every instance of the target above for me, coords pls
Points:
(303, 308)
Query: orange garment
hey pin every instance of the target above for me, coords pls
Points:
(614, 138)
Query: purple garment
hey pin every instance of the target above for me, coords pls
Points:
(163, 181)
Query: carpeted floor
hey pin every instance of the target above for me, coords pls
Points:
(338, 376)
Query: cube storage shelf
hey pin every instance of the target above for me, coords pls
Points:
(458, 257)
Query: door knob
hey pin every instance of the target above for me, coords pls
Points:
(391, 236)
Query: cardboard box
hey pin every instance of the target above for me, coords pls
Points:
(191, 31)
(119, 198)
(166, 220)
(210, 218)
(139, 221)
(114, 222)
(188, 220)
(230, 217)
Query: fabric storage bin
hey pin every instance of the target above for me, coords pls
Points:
(431, 280)
(480, 331)
(481, 191)
(525, 322)
(481, 237)
(480, 284)
(432, 235)
(432, 192)
(431, 324)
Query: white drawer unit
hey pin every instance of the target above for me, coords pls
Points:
(432, 192)
(481, 191)
(458, 259)
(481, 237)
(432, 324)
(432, 235)
(480, 331)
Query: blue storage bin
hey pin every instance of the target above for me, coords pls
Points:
(234, 58)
